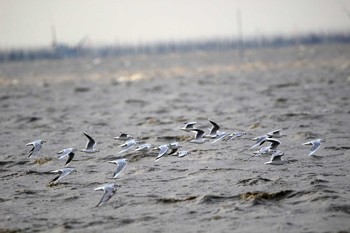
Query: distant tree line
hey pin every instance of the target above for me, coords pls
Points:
(61, 51)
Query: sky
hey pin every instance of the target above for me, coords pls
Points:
(28, 24)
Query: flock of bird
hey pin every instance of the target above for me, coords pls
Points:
(172, 148)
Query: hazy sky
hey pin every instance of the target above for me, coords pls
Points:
(29, 23)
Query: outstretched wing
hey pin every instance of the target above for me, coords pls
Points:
(214, 128)
(106, 196)
(199, 133)
(314, 148)
(274, 143)
(259, 141)
(70, 157)
(31, 151)
(120, 166)
(163, 150)
(54, 179)
(91, 142)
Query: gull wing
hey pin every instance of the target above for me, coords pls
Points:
(274, 143)
(173, 150)
(315, 146)
(183, 153)
(31, 151)
(189, 125)
(54, 179)
(259, 141)
(276, 157)
(220, 136)
(274, 132)
(214, 128)
(109, 192)
(163, 150)
(70, 157)
(91, 142)
(199, 133)
(121, 163)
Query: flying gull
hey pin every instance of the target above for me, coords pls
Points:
(37, 144)
(62, 173)
(276, 158)
(189, 126)
(173, 148)
(234, 135)
(123, 137)
(198, 139)
(121, 163)
(275, 134)
(220, 136)
(109, 191)
(213, 130)
(90, 145)
(128, 145)
(259, 141)
(315, 145)
(68, 152)
(144, 147)
(163, 149)
(183, 153)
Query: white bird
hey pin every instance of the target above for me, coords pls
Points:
(315, 145)
(234, 135)
(276, 159)
(90, 145)
(272, 148)
(274, 143)
(189, 126)
(128, 145)
(275, 134)
(220, 136)
(213, 130)
(67, 152)
(262, 151)
(121, 163)
(109, 191)
(163, 149)
(123, 137)
(167, 149)
(183, 153)
(173, 148)
(198, 139)
(37, 144)
(62, 173)
(259, 141)
(144, 147)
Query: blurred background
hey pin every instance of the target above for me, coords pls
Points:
(68, 27)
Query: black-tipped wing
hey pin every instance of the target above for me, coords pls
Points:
(199, 133)
(91, 142)
(173, 151)
(274, 143)
(70, 157)
(214, 128)
(54, 179)
(276, 157)
(259, 141)
(31, 151)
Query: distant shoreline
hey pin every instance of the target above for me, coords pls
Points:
(63, 51)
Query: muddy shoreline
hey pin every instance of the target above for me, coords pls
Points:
(303, 90)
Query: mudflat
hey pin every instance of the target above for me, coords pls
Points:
(304, 90)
